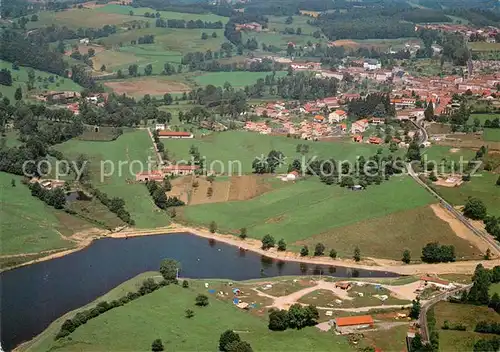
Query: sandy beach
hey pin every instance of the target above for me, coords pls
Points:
(464, 267)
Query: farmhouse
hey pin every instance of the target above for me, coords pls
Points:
(153, 175)
(180, 170)
(176, 135)
(437, 283)
(254, 26)
(160, 127)
(347, 325)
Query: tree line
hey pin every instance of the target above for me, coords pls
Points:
(191, 24)
(168, 269)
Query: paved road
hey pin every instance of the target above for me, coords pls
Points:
(423, 137)
(422, 320)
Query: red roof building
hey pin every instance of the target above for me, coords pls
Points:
(173, 134)
(361, 321)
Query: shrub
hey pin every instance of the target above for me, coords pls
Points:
(201, 300)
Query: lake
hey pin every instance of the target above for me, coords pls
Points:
(35, 295)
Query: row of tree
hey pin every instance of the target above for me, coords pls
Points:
(180, 23)
(168, 269)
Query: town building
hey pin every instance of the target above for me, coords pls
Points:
(359, 126)
(337, 116)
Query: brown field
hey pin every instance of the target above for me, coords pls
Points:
(346, 43)
(83, 49)
(233, 189)
(438, 128)
(84, 17)
(474, 141)
(410, 229)
(150, 85)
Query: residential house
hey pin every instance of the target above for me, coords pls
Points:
(337, 116)
(359, 126)
(375, 140)
(372, 64)
(85, 41)
(357, 138)
(378, 120)
(160, 127)
(319, 118)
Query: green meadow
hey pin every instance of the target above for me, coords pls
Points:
(131, 149)
(161, 314)
(236, 79)
(308, 208)
(243, 147)
(482, 118)
(466, 314)
(166, 15)
(482, 186)
(27, 224)
(492, 134)
(44, 81)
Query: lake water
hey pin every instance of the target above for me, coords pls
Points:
(33, 296)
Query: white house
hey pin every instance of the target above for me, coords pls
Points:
(372, 64)
(85, 41)
(359, 126)
(160, 127)
(337, 116)
(438, 283)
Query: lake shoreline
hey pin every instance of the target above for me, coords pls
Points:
(374, 264)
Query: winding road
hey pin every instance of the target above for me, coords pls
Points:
(422, 319)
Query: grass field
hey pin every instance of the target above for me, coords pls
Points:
(236, 79)
(134, 146)
(309, 208)
(278, 24)
(482, 118)
(140, 11)
(495, 288)
(161, 314)
(246, 146)
(469, 315)
(444, 156)
(482, 187)
(492, 134)
(76, 18)
(20, 78)
(483, 46)
(410, 229)
(27, 225)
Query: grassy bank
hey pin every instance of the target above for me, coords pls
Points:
(466, 314)
(131, 150)
(309, 212)
(161, 314)
(44, 81)
(27, 224)
(483, 187)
